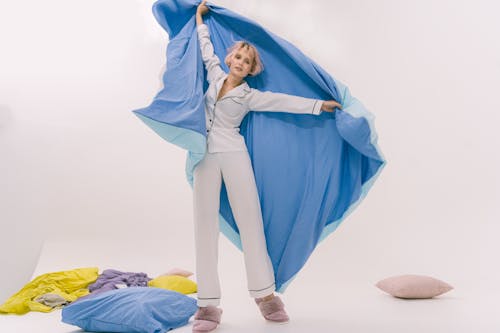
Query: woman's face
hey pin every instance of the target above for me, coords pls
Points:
(241, 62)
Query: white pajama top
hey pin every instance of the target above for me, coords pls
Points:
(223, 117)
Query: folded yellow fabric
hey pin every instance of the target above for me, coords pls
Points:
(174, 282)
(70, 285)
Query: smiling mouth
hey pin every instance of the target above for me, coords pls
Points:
(238, 68)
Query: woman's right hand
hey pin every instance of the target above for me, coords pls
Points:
(202, 8)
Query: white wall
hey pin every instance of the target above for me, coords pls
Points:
(75, 163)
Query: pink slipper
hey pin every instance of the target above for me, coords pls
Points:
(206, 319)
(273, 309)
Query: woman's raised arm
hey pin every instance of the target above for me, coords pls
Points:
(279, 102)
(210, 59)
(201, 10)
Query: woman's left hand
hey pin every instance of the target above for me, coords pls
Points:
(329, 106)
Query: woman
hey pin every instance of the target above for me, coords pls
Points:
(227, 100)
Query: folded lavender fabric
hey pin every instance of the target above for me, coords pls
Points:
(112, 277)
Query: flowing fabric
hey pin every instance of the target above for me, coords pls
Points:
(311, 171)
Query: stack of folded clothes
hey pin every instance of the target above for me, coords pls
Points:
(113, 301)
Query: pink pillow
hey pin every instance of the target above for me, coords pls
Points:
(178, 271)
(413, 286)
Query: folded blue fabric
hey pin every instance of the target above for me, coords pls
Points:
(311, 171)
(133, 309)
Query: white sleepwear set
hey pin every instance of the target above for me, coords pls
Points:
(227, 159)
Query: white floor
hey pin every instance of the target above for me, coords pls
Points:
(315, 302)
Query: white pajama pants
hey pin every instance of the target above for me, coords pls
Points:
(236, 170)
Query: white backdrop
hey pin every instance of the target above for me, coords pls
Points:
(75, 163)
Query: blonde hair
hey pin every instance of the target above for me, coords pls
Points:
(257, 66)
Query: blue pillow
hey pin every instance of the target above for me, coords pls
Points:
(133, 309)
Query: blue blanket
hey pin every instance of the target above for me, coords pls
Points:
(311, 171)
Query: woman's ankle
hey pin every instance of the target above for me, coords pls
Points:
(268, 297)
(207, 306)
